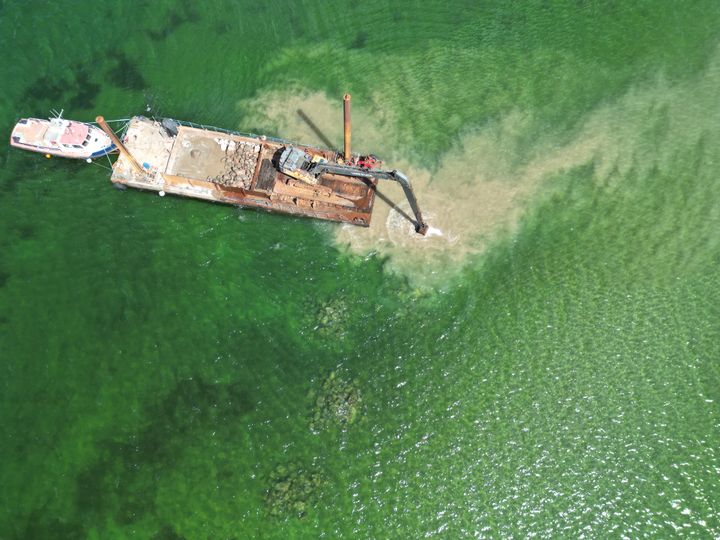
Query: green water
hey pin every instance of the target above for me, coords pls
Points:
(157, 355)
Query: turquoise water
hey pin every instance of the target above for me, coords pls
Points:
(159, 355)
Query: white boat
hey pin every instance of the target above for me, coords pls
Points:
(60, 137)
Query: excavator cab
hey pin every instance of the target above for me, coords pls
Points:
(299, 164)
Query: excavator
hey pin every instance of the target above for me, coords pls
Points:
(298, 164)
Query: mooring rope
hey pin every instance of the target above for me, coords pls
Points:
(101, 165)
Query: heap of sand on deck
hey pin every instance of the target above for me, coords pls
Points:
(151, 147)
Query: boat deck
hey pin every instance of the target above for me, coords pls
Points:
(236, 169)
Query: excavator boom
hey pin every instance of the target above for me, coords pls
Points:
(296, 163)
(420, 226)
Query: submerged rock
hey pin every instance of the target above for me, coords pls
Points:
(336, 402)
(293, 490)
(332, 317)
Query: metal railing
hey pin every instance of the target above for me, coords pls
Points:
(242, 134)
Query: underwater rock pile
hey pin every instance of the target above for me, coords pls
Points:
(331, 318)
(337, 403)
(292, 491)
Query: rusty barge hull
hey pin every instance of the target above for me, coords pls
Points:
(232, 168)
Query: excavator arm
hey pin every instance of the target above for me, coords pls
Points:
(421, 226)
(296, 163)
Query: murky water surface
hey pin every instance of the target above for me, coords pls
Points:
(545, 364)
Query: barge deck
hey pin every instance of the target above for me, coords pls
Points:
(172, 157)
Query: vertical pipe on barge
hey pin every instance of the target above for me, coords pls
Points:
(120, 146)
(346, 125)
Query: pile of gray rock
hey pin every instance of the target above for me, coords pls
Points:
(240, 161)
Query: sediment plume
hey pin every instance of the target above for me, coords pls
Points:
(480, 189)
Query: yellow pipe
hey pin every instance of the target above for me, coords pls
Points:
(346, 125)
(120, 146)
